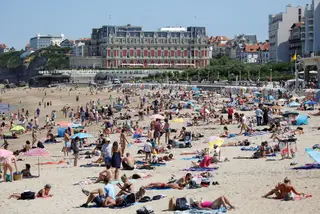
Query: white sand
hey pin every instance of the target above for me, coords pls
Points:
(242, 181)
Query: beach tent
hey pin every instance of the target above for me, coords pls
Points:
(302, 120)
(314, 154)
(294, 104)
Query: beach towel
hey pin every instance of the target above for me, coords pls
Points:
(52, 163)
(255, 134)
(196, 211)
(159, 188)
(249, 149)
(307, 167)
(92, 165)
(188, 153)
(196, 169)
(152, 164)
(190, 159)
(314, 154)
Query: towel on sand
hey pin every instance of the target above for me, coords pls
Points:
(159, 188)
(249, 149)
(189, 159)
(308, 166)
(196, 211)
(203, 169)
(151, 164)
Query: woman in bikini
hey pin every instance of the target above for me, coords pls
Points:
(123, 141)
(127, 187)
(7, 166)
(179, 184)
(284, 191)
(216, 204)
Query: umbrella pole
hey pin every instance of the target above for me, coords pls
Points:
(38, 167)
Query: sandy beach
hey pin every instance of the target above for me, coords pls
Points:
(244, 182)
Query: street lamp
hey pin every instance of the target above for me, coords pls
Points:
(270, 75)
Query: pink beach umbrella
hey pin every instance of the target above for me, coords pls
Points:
(5, 153)
(37, 152)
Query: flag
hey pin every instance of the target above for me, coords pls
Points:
(294, 57)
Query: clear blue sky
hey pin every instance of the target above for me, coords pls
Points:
(22, 19)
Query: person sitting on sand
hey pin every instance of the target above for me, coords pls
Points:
(284, 191)
(26, 172)
(127, 187)
(216, 204)
(43, 193)
(103, 198)
(206, 161)
(175, 184)
(226, 133)
(107, 173)
(128, 162)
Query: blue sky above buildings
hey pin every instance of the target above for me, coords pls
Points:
(20, 19)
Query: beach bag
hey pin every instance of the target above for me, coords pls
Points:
(145, 210)
(172, 204)
(145, 199)
(182, 204)
(28, 195)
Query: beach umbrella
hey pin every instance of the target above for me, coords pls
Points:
(282, 100)
(81, 135)
(5, 153)
(178, 120)
(18, 128)
(214, 140)
(294, 104)
(310, 102)
(37, 152)
(157, 116)
(257, 93)
(64, 124)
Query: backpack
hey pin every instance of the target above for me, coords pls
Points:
(28, 195)
(182, 204)
(145, 210)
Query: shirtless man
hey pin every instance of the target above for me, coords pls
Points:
(128, 162)
(283, 191)
(107, 173)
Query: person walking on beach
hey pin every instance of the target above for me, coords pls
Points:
(116, 159)
(157, 131)
(166, 129)
(34, 136)
(67, 144)
(123, 141)
(75, 148)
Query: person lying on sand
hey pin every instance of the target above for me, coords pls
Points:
(284, 191)
(174, 184)
(127, 187)
(216, 204)
(245, 142)
(165, 158)
(27, 195)
(315, 114)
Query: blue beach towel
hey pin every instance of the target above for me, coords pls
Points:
(196, 211)
(189, 159)
(314, 154)
(249, 149)
(307, 167)
(152, 164)
(195, 169)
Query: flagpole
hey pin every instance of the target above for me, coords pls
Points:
(296, 72)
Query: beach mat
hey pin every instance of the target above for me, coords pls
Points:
(249, 149)
(190, 159)
(204, 169)
(196, 211)
(158, 188)
(307, 167)
(257, 134)
(92, 165)
(314, 154)
(151, 164)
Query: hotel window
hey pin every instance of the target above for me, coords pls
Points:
(149, 53)
(156, 54)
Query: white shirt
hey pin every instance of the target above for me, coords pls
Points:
(106, 150)
(147, 147)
